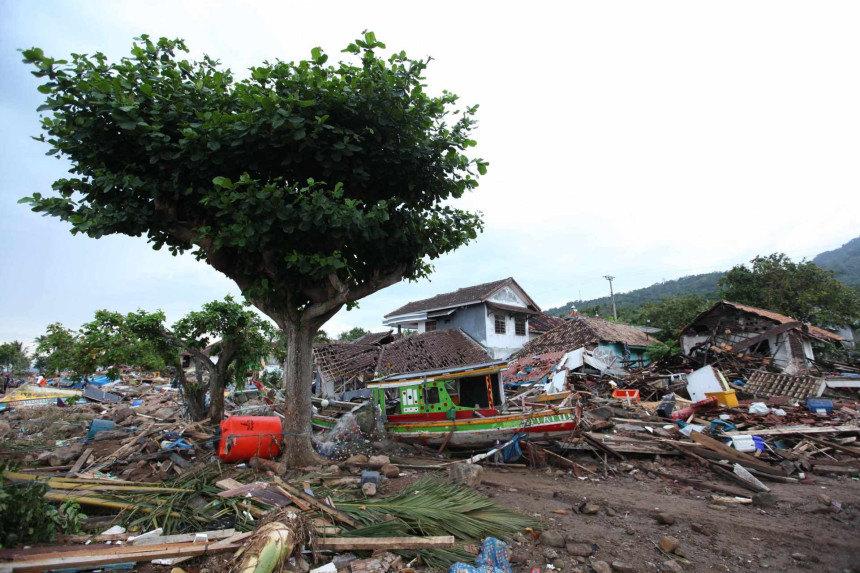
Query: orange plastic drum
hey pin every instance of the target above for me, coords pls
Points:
(243, 437)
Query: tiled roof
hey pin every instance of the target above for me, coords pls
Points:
(811, 330)
(531, 368)
(542, 322)
(430, 351)
(426, 351)
(477, 293)
(584, 331)
(375, 338)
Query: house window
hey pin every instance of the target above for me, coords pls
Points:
(429, 325)
(520, 326)
(500, 323)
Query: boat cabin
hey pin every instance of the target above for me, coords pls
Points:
(464, 392)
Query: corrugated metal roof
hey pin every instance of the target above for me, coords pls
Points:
(809, 329)
(463, 296)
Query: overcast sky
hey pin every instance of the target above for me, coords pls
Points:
(647, 140)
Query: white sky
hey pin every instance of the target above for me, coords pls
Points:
(647, 140)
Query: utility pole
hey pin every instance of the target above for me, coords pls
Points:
(612, 295)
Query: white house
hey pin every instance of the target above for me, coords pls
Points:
(495, 314)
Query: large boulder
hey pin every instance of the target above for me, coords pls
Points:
(468, 474)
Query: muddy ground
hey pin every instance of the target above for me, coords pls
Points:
(798, 533)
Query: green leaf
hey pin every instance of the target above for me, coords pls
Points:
(299, 134)
(223, 182)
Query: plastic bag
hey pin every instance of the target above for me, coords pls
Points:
(759, 408)
(492, 559)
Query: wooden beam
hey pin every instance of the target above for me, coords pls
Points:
(799, 429)
(727, 452)
(384, 543)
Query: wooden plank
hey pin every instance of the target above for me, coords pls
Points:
(337, 514)
(799, 429)
(703, 484)
(384, 543)
(729, 453)
(90, 556)
(80, 463)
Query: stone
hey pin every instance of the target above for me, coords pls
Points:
(601, 567)
(355, 460)
(717, 507)
(164, 413)
(468, 474)
(665, 518)
(379, 460)
(699, 528)
(823, 498)
(333, 469)
(579, 549)
(798, 556)
(549, 553)
(764, 499)
(672, 566)
(62, 456)
(610, 512)
(589, 508)
(552, 538)
(390, 471)
(5, 429)
(621, 567)
(369, 489)
(558, 564)
(122, 413)
(669, 544)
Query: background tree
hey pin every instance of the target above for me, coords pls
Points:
(55, 350)
(236, 339)
(13, 357)
(800, 290)
(353, 333)
(670, 315)
(309, 185)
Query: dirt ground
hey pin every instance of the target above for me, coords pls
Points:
(730, 537)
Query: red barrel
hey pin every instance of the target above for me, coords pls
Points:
(243, 437)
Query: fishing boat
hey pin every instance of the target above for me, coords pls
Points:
(32, 396)
(462, 407)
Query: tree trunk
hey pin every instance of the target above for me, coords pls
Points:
(298, 376)
(195, 400)
(217, 379)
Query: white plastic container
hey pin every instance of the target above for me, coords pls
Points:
(743, 443)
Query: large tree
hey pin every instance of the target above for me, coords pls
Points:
(801, 290)
(310, 185)
(13, 357)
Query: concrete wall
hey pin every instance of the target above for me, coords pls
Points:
(617, 348)
(470, 319)
(503, 345)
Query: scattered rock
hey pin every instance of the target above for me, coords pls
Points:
(669, 544)
(552, 538)
(369, 489)
(699, 528)
(823, 498)
(589, 508)
(623, 567)
(601, 567)
(333, 469)
(122, 413)
(610, 512)
(62, 456)
(579, 549)
(798, 556)
(764, 499)
(469, 474)
(549, 553)
(355, 460)
(390, 471)
(665, 518)
(379, 460)
(671, 565)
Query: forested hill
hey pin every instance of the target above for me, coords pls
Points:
(844, 261)
(703, 285)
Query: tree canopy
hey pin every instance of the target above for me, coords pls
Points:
(13, 357)
(801, 290)
(306, 183)
(353, 333)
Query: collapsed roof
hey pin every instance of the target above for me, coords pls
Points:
(585, 331)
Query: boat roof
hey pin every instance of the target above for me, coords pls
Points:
(411, 378)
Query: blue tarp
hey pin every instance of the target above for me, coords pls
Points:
(492, 559)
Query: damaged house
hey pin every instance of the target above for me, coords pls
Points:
(495, 314)
(342, 367)
(747, 332)
(611, 342)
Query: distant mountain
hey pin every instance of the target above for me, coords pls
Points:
(844, 261)
(703, 285)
